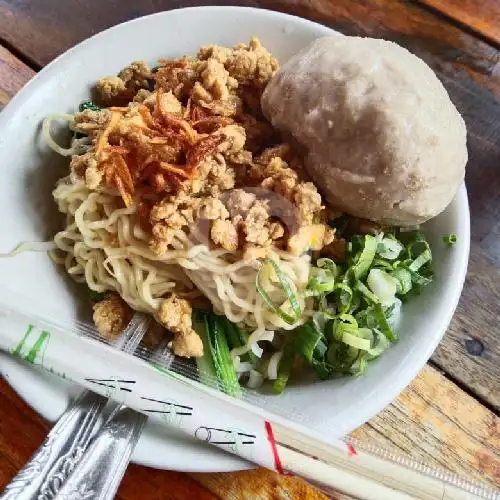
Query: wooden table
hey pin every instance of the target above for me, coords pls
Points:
(448, 416)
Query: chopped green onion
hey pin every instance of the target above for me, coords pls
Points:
(450, 239)
(292, 298)
(341, 357)
(417, 244)
(306, 340)
(371, 297)
(345, 297)
(344, 323)
(354, 303)
(356, 341)
(382, 264)
(380, 343)
(364, 261)
(321, 281)
(419, 279)
(403, 280)
(382, 284)
(422, 259)
(391, 248)
(385, 328)
(324, 263)
(362, 363)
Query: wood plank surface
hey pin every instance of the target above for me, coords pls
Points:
(258, 484)
(482, 16)
(469, 70)
(437, 423)
(433, 419)
(470, 350)
(13, 75)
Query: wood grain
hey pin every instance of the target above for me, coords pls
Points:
(258, 484)
(143, 483)
(13, 75)
(437, 423)
(473, 330)
(482, 16)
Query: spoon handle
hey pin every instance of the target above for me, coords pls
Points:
(101, 469)
(61, 449)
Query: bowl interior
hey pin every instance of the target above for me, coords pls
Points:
(30, 170)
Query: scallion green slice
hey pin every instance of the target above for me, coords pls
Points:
(292, 298)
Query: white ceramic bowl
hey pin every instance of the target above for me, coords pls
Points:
(29, 171)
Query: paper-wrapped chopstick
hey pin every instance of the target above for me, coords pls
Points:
(207, 414)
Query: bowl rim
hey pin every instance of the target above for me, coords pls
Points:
(365, 409)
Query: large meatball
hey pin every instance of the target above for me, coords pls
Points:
(382, 138)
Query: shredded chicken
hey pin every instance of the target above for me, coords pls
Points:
(234, 139)
(80, 163)
(111, 316)
(307, 198)
(215, 176)
(216, 79)
(174, 314)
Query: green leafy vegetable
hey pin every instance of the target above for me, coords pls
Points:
(89, 105)
(206, 367)
(216, 359)
(96, 296)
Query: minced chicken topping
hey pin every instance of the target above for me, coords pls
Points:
(187, 143)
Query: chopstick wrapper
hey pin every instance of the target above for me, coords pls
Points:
(193, 408)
